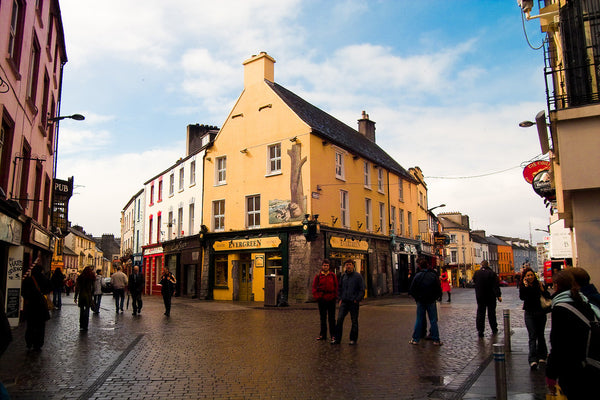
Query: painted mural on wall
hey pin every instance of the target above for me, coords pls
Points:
(282, 211)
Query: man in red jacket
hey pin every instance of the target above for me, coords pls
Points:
(324, 290)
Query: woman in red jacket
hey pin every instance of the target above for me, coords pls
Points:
(446, 287)
(324, 290)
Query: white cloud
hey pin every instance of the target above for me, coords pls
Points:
(81, 141)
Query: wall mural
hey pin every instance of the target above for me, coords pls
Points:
(281, 211)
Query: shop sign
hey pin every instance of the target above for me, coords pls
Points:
(10, 230)
(41, 238)
(348, 244)
(534, 168)
(155, 250)
(243, 244)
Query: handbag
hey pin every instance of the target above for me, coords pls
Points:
(558, 395)
(49, 303)
(546, 303)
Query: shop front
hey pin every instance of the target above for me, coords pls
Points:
(339, 248)
(11, 266)
(153, 255)
(183, 257)
(253, 268)
(404, 257)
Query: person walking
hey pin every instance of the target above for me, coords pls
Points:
(530, 291)
(487, 290)
(324, 290)
(568, 341)
(136, 287)
(350, 293)
(58, 283)
(84, 293)
(167, 282)
(426, 288)
(446, 286)
(119, 283)
(98, 291)
(35, 306)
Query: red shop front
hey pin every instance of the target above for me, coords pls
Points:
(153, 262)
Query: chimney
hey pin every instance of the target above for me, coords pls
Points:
(367, 127)
(258, 68)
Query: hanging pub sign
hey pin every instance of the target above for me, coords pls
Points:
(538, 174)
(63, 190)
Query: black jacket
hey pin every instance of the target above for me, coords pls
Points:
(426, 286)
(351, 287)
(487, 285)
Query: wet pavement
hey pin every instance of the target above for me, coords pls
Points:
(238, 350)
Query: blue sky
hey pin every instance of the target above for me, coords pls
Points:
(445, 81)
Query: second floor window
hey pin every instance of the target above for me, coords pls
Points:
(15, 37)
(368, 215)
(367, 174)
(274, 159)
(160, 190)
(400, 189)
(409, 224)
(253, 211)
(393, 219)
(151, 194)
(218, 215)
(192, 173)
(344, 209)
(171, 184)
(221, 169)
(34, 69)
(380, 179)
(339, 165)
(191, 219)
(170, 226)
(181, 179)
(382, 218)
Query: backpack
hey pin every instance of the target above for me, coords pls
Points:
(592, 351)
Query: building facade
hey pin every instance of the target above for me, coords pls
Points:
(33, 55)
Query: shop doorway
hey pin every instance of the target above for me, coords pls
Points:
(189, 284)
(245, 280)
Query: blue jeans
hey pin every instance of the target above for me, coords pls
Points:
(420, 324)
(119, 296)
(57, 298)
(536, 323)
(345, 308)
(97, 301)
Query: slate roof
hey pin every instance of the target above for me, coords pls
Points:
(496, 241)
(338, 133)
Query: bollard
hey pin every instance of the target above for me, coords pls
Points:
(506, 314)
(500, 367)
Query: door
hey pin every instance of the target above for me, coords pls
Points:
(245, 279)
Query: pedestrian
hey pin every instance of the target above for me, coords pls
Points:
(324, 290)
(119, 283)
(582, 281)
(568, 341)
(33, 289)
(69, 285)
(426, 288)
(446, 285)
(98, 291)
(84, 295)
(530, 291)
(136, 287)
(167, 282)
(487, 290)
(58, 282)
(351, 290)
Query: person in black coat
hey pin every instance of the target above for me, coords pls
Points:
(167, 282)
(136, 287)
(568, 340)
(33, 289)
(530, 291)
(58, 283)
(487, 290)
(582, 281)
(426, 288)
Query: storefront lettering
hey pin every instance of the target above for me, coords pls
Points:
(15, 269)
(350, 244)
(266, 242)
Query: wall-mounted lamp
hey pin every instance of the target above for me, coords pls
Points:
(325, 142)
(542, 128)
(208, 159)
(433, 208)
(294, 139)
(244, 151)
(237, 115)
(378, 229)
(265, 106)
(333, 220)
(76, 117)
(319, 188)
(359, 224)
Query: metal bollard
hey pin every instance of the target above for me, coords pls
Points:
(500, 367)
(506, 314)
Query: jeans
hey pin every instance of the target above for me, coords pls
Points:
(420, 325)
(57, 298)
(119, 296)
(327, 314)
(97, 300)
(136, 302)
(536, 323)
(345, 308)
(480, 320)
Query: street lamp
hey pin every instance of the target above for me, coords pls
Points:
(540, 122)
(543, 230)
(76, 117)
(433, 208)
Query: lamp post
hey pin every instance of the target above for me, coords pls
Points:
(542, 128)
(76, 117)
(433, 208)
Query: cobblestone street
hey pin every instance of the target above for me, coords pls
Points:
(245, 351)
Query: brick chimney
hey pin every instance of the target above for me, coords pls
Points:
(258, 68)
(367, 127)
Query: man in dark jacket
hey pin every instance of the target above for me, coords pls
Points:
(351, 292)
(136, 287)
(487, 290)
(426, 288)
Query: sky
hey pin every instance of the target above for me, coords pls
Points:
(446, 82)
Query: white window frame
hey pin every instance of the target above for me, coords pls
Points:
(171, 184)
(181, 179)
(191, 218)
(393, 219)
(344, 209)
(221, 170)
(253, 211)
(170, 226)
(192, 172)
(218, 211)
(339, 165)
(409, 224)
(368, 215)
(274, 159)
(179, 222)
(380, 180)
(367, 174)
(400, 189)
(401, 221)
(382, 225)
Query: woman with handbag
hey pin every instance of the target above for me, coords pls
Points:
(531, 292)
(167, 281)
(35, 306)
(84, 296)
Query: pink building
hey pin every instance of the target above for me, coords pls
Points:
(32, 56)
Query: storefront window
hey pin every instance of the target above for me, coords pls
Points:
(221, 278)
(158, 271)
(273, 265)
